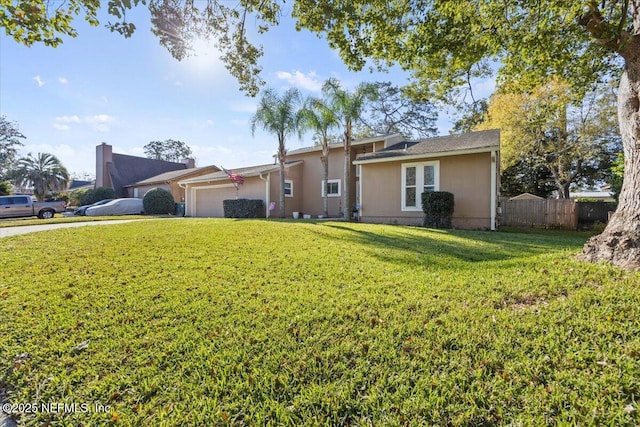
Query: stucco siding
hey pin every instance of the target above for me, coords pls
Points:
(468, 177)
(309, 188)
(312, 174)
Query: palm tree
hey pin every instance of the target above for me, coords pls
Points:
(348, 107)
(43, 172)
(317, 116)
(279, 115)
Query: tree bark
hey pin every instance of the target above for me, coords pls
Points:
(619, 243)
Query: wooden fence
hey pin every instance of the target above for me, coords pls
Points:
(548, 213)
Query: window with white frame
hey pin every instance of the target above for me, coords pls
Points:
(416, 179)
(288, 188)
(331, 188)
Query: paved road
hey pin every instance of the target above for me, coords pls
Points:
(14, 231)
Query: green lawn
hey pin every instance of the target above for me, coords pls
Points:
(221, 322)
(59, 219)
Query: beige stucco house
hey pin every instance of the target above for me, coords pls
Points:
(388, 175)
(393, 179)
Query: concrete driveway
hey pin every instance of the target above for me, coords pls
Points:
(14, 231)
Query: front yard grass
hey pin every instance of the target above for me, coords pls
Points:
(221, 322)
(60, 219)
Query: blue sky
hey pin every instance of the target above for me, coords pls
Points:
(101, 87)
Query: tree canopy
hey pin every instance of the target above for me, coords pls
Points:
(10, 141)
(392, 111)
(43, 172)
(574, 138)
(169, 150)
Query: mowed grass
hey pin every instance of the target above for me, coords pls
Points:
(59, 219)
(220, 322)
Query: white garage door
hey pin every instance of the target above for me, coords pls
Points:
(209, 201)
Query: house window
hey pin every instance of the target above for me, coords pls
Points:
(416, 179)
(331, 188)
(288, 188)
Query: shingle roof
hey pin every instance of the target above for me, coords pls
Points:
(472, 141)
(339, 144)
(126, 170)
(246, 172)
(172, 175)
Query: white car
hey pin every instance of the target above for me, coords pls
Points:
(127, 206)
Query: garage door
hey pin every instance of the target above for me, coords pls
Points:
(209, 201)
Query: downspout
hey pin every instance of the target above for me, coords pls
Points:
(267, 181)
(494, 188)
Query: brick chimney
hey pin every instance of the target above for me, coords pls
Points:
(104, 156)
(191, 163)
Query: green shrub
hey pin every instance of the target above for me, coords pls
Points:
(6, 188)
(97, 194)
(438, 208)
(243, 208)
(158, 201)
(76, 197)
(55, 196)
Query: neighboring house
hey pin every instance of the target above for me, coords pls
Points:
(77, 184)
(168, 181)
(132, 176)
(388, 176)
(599, 196)
(526, 196)
(392, 180)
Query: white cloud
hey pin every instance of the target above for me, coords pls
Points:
(62, 80)
(98, 122)
(299, 79)
(68, 119)
(100, 118)
(178, 83)
(38, 81)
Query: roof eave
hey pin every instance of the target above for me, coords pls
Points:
(427, 155)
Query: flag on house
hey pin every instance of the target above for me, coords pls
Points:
(234, 177)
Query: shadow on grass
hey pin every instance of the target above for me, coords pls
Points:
(418, 246)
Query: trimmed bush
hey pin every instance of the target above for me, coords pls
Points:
(438, 208)
(158, 201)
(243, 208)
(98, 194)
(76, 197)
(6, 189)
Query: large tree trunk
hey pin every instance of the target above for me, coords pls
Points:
(619, 243)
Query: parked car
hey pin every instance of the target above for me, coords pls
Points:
(21, 205)
(127, 206)
(82, 209)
